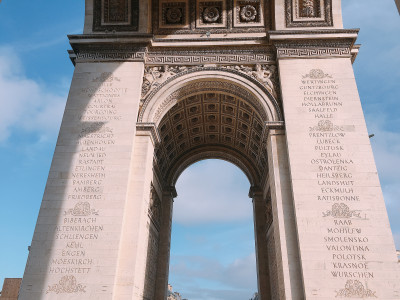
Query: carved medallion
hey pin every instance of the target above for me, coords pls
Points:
(211, 14)
(248, 13)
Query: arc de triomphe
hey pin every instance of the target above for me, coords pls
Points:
(267, 85)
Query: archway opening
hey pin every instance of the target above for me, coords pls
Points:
(211, 114)
(213, 248)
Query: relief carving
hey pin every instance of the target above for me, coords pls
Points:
(268, 213)
(212, 15)
(309, 8)
(82, 209)
(325, 126)
(309, 13)
(155, 76)
(265, 74)
(341, 211)
(67, 284)
(155, 206)
(317, 74)
(173, 14)
(106, 77)
(355, 289)
(116, 11)
(248, 13)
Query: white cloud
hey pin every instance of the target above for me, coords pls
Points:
(212, 191)
(26, 104)
(204, 278)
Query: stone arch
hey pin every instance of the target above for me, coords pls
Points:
(155, 105)
(214, 153)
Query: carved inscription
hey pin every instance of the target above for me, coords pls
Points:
(82, 226)
(345, 240)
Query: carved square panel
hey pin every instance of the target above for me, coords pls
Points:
(248, 13)
(116, 15)
(173, 14)
(309, 13)
(211, 14)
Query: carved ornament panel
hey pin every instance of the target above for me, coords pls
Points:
(208, 16)
(211, 14)
(116, 15)
(309, 13)
(248, 13)
(174, 14)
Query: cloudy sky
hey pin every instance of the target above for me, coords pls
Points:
(212, 245)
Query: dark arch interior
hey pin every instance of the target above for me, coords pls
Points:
(211, 122)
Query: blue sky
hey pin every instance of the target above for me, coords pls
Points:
(212, 245)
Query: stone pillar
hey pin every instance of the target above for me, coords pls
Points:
(345, 243)
(285, 235)
(260, 228)
(134, 278)
(165, 243)
(78, 236)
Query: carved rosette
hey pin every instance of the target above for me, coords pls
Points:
(248, 13)
(211, 14)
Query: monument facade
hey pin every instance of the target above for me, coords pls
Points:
(267, 85)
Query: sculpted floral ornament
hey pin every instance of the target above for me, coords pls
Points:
(326, 125)
(211, 14)
(341, 211)
(67, 284)
(355, 289)
(248, 13)
(317, 74)
(81, 209)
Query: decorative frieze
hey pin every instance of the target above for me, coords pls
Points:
(200, 58)
(84, 53)
(312, 52)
